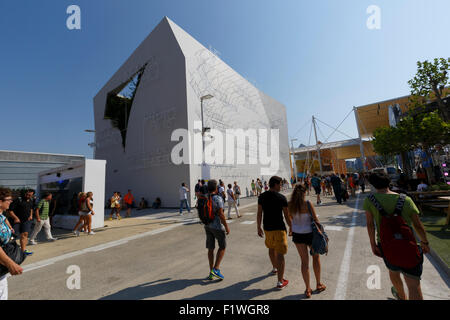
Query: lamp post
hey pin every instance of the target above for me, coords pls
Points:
(92, 144)
(204, 129)
(294, 164)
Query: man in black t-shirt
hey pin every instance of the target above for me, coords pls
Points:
(204, 188)
(21, 215)
(197, 188)
(271, 207)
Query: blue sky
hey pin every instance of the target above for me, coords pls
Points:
(316, 57)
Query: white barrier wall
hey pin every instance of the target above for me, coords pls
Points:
(92, 173)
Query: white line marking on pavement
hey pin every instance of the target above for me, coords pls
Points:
(341, 289)
(230, 221)
(333, 228)
(248, 222)
(341, 217)
(97, 248)
(176, 217)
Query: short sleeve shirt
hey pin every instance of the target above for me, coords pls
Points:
(5, 231)
(183, 193)
(217, 204)
(22, 208)
(315, 182)
(44, 207)
(128, 198)
(388, 202)
(272, 205)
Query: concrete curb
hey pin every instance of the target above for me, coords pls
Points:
(440, 262)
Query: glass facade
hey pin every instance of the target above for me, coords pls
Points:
(64, 195)
(20, 169)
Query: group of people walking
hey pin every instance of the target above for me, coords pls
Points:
(258, 186)
(272, 206)
(116, 203)
(401, 254)
(342, 186)
(85, 211)
(231, 193)
(16, 222)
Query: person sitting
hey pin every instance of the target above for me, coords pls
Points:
(143, 204)
(156, 204)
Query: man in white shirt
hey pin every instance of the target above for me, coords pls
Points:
(183, 198)
(422, 186)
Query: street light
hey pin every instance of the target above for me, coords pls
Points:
(294, 165)
(204, 129)
(93, 145)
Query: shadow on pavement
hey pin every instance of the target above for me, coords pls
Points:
(158, 288)
(300, 297)
(236, 291)
(155, 288)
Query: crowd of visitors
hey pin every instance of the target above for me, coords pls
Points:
(390, 217)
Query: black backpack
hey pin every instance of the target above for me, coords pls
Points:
(205, 209)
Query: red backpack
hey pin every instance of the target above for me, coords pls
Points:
(205, 209)
(398, 243)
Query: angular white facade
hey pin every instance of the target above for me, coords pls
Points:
(176, 71)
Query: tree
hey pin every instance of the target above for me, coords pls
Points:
(416, 130)
(387, 141)
(432, 77)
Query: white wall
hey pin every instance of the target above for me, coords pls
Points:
(94, 181)
(168, 98)
(93, 174)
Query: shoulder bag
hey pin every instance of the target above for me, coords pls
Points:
(320, 237)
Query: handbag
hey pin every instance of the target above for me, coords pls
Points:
(14, 252)
(320, 237)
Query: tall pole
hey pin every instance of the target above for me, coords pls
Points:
(205, 174)
(203, 142)
(203, 133)
(294, 163)
(317, 144)
(361, 146)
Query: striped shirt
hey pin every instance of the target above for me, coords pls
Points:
(43, 207)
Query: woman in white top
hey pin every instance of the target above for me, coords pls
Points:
(302, 213)
(232, 202)
(90, 206)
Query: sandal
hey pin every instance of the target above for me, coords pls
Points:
(308, 293)
(321, 287)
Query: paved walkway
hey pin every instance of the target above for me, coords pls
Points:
(161, 255)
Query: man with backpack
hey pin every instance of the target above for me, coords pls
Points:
(394, 216)
(210, 211)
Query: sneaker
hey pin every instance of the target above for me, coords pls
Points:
(28, 253)
(395, 293)
(52, 239)
(210, 277)
(273, 272)
(281, 285)
(32, 242)
(216, 273)
(91, 233)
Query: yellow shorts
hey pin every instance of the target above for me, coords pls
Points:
(277, 240)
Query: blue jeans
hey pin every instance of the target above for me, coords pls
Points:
(182, 202)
